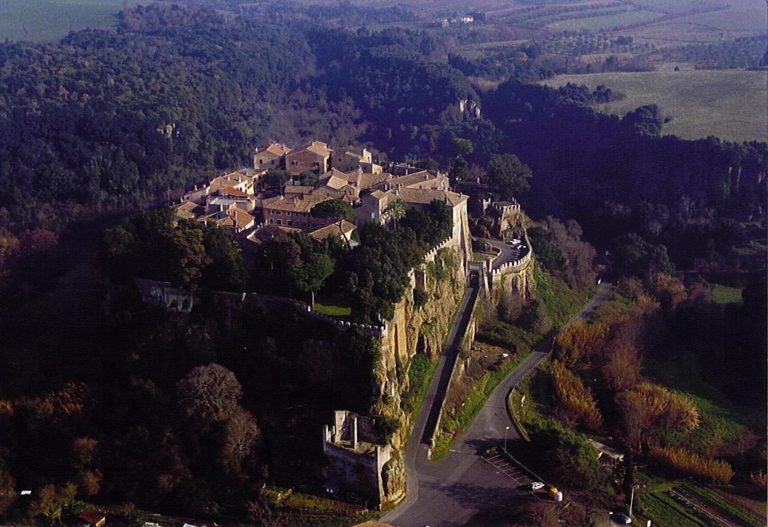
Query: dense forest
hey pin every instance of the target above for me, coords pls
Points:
(101, 125)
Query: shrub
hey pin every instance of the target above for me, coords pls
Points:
(574, 397)
(567, 454)
(578, 342)
(386, 426)
(686, 463)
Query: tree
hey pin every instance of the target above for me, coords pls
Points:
(508, 176)
(334, 209)
(644, 120)
(459, 170)
(648, 411)
(51, 500)
(240, 436)
(276, 179)
(209, 393)
(632, 255)
(310, 275)
(396, 211)
(226, 270)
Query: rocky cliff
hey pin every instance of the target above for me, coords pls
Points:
(421, 323)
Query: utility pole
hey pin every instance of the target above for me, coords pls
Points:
(632, 496)
(505, 439)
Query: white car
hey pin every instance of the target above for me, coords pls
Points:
(537, 485)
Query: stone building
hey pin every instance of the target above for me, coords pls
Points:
(357, 456)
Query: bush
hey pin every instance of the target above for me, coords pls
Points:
(386, 426)
(686, 463)
(567, 454)
(576, 343)
(576, 400)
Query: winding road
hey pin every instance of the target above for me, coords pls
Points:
(465, 488)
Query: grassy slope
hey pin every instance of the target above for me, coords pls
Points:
(729, 104)
(53, 19)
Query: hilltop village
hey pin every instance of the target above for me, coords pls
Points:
(313, 173)
(279, 196)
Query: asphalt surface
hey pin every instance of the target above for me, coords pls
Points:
(465, 488)
(508, 253)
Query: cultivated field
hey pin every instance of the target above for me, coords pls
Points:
(53, 19)
(729, 104)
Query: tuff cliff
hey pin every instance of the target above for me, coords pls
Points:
(421, 323)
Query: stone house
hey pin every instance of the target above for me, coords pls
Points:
(292, 211)
(272, 156)
(313, 157)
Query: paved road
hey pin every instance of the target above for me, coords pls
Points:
(508, 253)
(464, 488)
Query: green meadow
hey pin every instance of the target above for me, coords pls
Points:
(729, 104)
(52, 19)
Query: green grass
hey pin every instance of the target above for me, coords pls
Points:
(719, 502)
(333, 310)
(722, 294)
(478, 256)
(602, 22)
(560, 301)
(682, 372)
(420, 374)
(662, 510)
(723, 103)
(52, 19)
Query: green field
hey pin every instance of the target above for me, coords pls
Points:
(723, 294)
(603, 22)
(53, 19)
(729, 104)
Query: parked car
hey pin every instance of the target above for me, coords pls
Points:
(537, 485)
(620, 518)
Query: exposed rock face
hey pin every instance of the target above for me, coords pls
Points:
(414, 330)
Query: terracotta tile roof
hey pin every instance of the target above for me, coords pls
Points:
(276, 148)
(245, 175)
(189, 210)
(240, 217)
(298, 189)
(333, 230)
(363, 180)
(423, 179)
(381, 195)
(230, 191)
(334, 179)
(317, 147)
(293, 204)
(418, 196)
